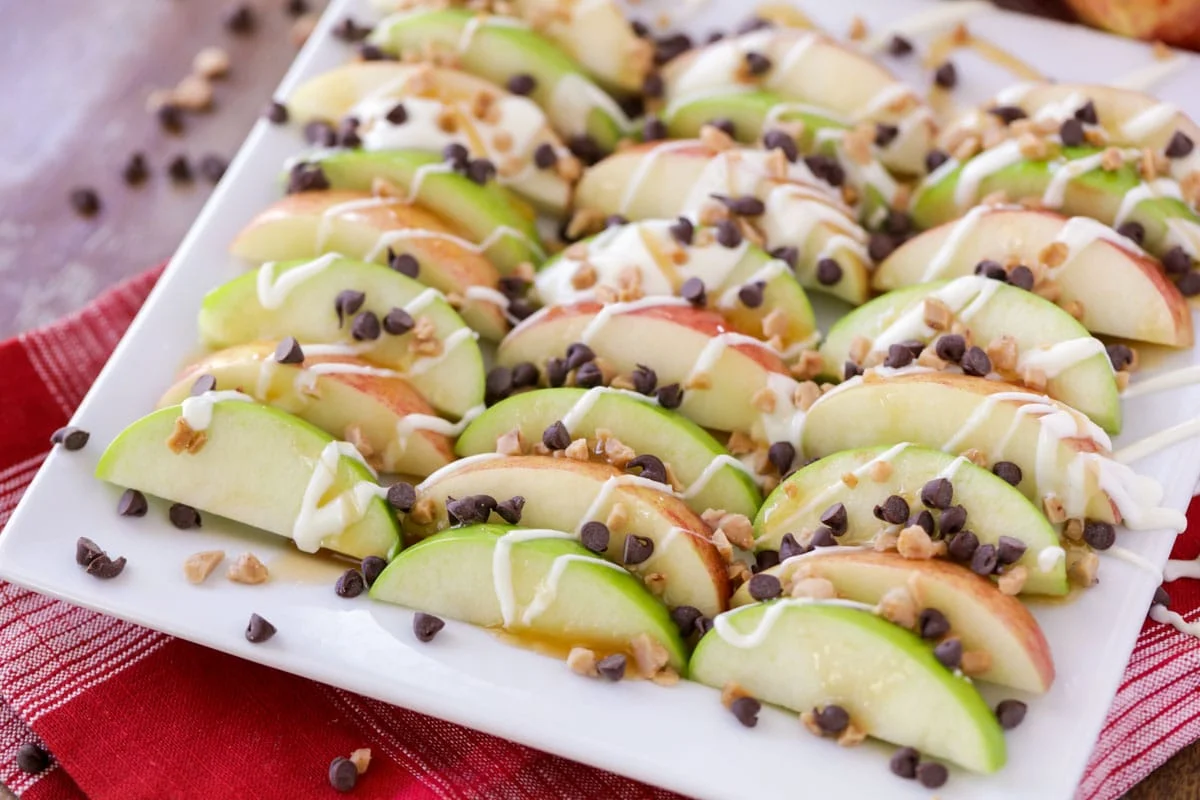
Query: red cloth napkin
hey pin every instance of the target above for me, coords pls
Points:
(129, 713)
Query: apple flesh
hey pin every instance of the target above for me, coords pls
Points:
(639, 423)
(358, 405)
(1122, 290)
(991, 310)
(803, 655)
(254, 467)
(563, 494)
(559, 591)
(595, 34)
(310, 224)
(452, 380)
(981, 616)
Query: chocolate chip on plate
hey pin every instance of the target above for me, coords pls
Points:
(70, 437)
(398, 322)
(106, 568)
(202, 384)
(276, 113)
(1100, 535)
(757, 63)
(612, 668)
(258, 630)
(685, 618)
(320, 133)
(426, 626)
(343, 775)
(654, 129)
(32, 759)
(556, 437)
(743, 205)
(183, 516)
(962, 545)
(1010, 713)
(240, 19)
(952, 520)
(880, 246)
(703, 625)
(932, 775)
(835, 518)
(652, 467)
(989, 268)
(1008, 471)
(670, 396)
(135, 170)
(213, 167)
(1134, 231)
(371, 567)
(937, 493)
(469, 510)
(288, 351)
(832, 719)
(788, 255)
(851, 370)
(1007, 114)
(594, 536)
(904, 762)
(746, 709)
(365, 327)
(899, 46)
(556, 372)
(545, 156)
(885, 134)
(350, 584)
(401, 496)
(524, 375)
(305, 178)
(984, 560)
(510, 510)
(480, 171)
(765, 587)
(946, 76)
(935, 158)
(693, 291)
(976, 362)
(1176, 261)
(1120, 356)
(1087, 113)
(949, 653)
(724, 125)
(894, 510)
(932, 624)
(781, 455)
(86, 551)
(132, 504)
(170, 118)
(653, 85)
(789, 547)
(637, 549)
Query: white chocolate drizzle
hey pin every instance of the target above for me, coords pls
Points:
(1172, 379)
(1155, 442)
(1050, 557)
(273, 289)
(315, 522)
(748, 641)
(197, 410)
(1160, 613)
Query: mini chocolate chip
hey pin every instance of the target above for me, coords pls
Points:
(670, 396)
(949, 652)
(1176, 261)
(765, 559)
(976, 362)
(556, 372)
(205, 383)
(693, 291)
(684, 617)
(350, 584)
(32, 759)
(962, 545)
(1009, 550)
(682, 230)
(365, 327)
(781, 455)
(851, 370)
(728, 233)
(672, 46)
(1181, 145)
(105, 568)
(1010, 713)
(350, 31)
(183, 516)
(135, 171)
(653, 129)
(1007, 470)
(1134, 231)
(85, 201)
(776, 139)
(522, 84)
(703, 625)
(320, 133)
(932, 624)
(1071, 132)
(1007, 114)
(132, 504)
(898, 356)
(524, 375)
(302, 178)
(213, 167)
(894, 510)
(725, 125)
(984, 560)
(258, 630)
(751, 295)
(789, 547)
(880, 246)
(585, 148)
(86, 551)
(456, 154)
(71, 438)
(1021, 276)
(612, 667)
(937, 493)
(653, 85)
(899, 46)
(371, 567)
(473, 509)
(791, 256)
(1087, 113)
(513, 287)
(644, 379)
(480, 170)
(1189, 284)
(885, 134)
(1100, 535)
(372, 52)
(744, 205)
(170, 118)
(1161, 598)
(904, 763)
(935, 158)
(398, 321)
(952, 520)
(589, 376)
(545, 156)
(924, 520)
(757, 63)
(932, 775)
(897, 223)
(765, 586)
(404, 263)
(950, 347)
(946, 76)
(288, 351)
(637, 549)
(343, 775)
(579, 354)
(240, 19)
(401, 496)
(556, 437)
(746, 710)
(991, 269)
(832, 719)
(836, 519)
(595, 536)
(826, 168)
(652, 467)
(823, 537)
(347, 302)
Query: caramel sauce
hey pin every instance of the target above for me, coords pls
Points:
(294, 566)
(942, 46)
(558, 648)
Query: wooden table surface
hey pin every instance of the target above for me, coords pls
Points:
(74, 102)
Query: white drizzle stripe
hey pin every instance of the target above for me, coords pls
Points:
(1050, 558)
(314, 522)
(411, 423)
(1160, 613)
(1152, 444)
(197, 411)
(330, 214)
(748, 641)
(1177, 568)
(451, 343)
(502, 567)
(1130, 557)
(962, 228)
(547, 590)
(273, 290)
(1173, 379)
(1059, 357)
(454, 466)
(388, 238)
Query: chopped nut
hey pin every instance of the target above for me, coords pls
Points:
(711, 212)
(618, 517)
(617, 453)
(1111, 159)
(1054, 509)
(897, 606)
(577, 450)
(858, 29)
(582, 661)
(1073, 530)
(211, 62)
(1033, 147)
(805, 394)
(700, 381)
(200, 565)
(776, 164)
(740, 444)
(732, 691)
(568, 168)
(184, 439)
(930, 359)
(857, 142)
(937, 314)
(724, 548)
(816, 588)
(968, 147)
(975, 662)
(1162, 51)
(1034, 378)
(1054, 254)
(775, 324)
(511, 443)
(913, 542)
(246, 568)
(649, 656)
(1013, 581)
(880, 471)
(1082, 566)
(714, 138)
(1189, 186)
(850, 479)
(851, 736)
(807, 366)
(1148, 164)
(809, 720)
(1074, 308)
(996, 198)
(422, 511)
(976, 457)
(1049, 289)
(502, 141)
(764, 400)
(355, 436)
(665, 677)
(1122, 380)
(1003, 353)
(860, 347)
(584, 276)
(1095, 137)
(193, 93)
(656, 582)
(361, 759)
(629, 284)
(738, 530)
(885, 541)
(738, 574)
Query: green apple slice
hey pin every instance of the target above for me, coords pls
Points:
(393, 427)
(564, 494)
(711, 477)
(298, 299)
(721, 372)
(1075, 184)
(1073, 365)
(531, 582)
(259, 466)
(1122, 291)
(981, 616)
(802, 655)
(497, 48)
(994, 508)
(488, 215)
(663, 265)
(507, 135)
(665, 180)
(364, 227)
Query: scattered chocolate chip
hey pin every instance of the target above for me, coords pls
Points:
(365, 327)
(885, 134)
(937, 493)
(401, 496)
(1176, 261)
(288, 351)
(1086, 113)
(1181, 145)
(205, 383)
(746, 710)
(1134, 231)
(132, 504)
(480, 170)
(962, 545)
(589, 376)
(1161, 598)
(899, 46)
(991, 269)
(637, 549)
(946, 76)
(32, 759)
(644, 379)
(935, 158)
(952, 520)
(1071, 132)
(653, 129)
(522, 84)
(653, 86)
(765, 586)
(1007, 114)
(725, 125)
(86, 551)
(240, 19)
(1100, 535)
(556, 372)
(594, 536)
(932, 775)
(932, 624)
(1010, 713)
(371, 567)
(306, 178)
(1009, 550)
(1021, 276)
(579, 354)
(457, 155)
(757, 63)
(350, 31)
(693, 291)
(924, 520)
(85, 201)
(746, 205)
(682, 230)
(751, 295)
(556, 437)
(880, 246)
(789, 547)
(71, 438)
(950, 347)
(949, 653)
(212, 167)
(851, 370)
(832, 719)
(826, 168)
(781, 455)
(898, 356)
(791, 256)
(894, 510)
(136, 170)
(728, 233)
(343, 775)
(984, 561)
(524, 375)
(258, 630)
(183, 516)
(320, 133)
(776, 139)
(585, 148)
(1007, 470)
(652, 467)
(369, 51)
(170, 118)
(670, 396)
(106, 568)
(296, 8)
(904, 763)
(612, 667)
(765, 559)
(976, 362)
(822, 537)
(350, 584)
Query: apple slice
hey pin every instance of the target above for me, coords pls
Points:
(981, 616)
(1122, 291)
(564, 494)
(664, 180)
(222, 454)
(662, 264)
(364, 227)
(799, 66)
(1053, 351)
(711, 478)
(993, 507)
(441, 107)
(497, 48)
(731, 382)
(440, 356)
(390, 423)
(802, 655)
(489, 216)
(1076, 184)
(538, 583)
